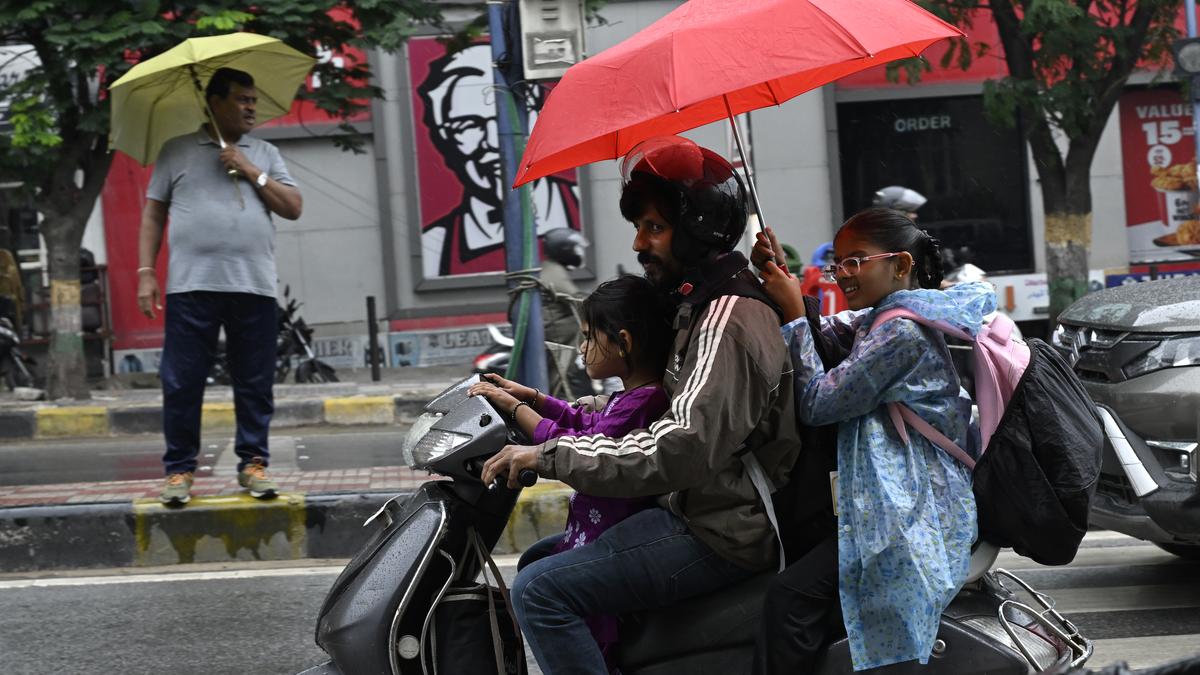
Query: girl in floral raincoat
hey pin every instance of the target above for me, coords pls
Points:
(906, 512)
(626, 334)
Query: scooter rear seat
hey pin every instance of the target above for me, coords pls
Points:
(727, 618)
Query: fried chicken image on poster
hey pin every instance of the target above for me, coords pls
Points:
(459, 166)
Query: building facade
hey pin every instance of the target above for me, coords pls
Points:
(414, 219)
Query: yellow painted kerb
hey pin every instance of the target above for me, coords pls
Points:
(220, 528)
(218, 416)
(74, 421)
(360, 410)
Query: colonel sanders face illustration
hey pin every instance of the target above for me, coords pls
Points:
(460, 115)
(462, 120)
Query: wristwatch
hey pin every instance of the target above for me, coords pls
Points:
(261, 181)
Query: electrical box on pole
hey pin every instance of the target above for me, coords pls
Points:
(552, 37)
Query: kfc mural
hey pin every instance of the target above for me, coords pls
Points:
(458, 164)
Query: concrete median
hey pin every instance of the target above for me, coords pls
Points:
(226, 528)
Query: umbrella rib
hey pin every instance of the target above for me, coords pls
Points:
(842, 29)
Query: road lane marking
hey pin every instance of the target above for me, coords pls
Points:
(224, 575)
(506, 562)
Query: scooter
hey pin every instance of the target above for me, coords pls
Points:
(13, 362)
(376, 618)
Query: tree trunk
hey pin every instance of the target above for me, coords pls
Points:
(1069, 230)
(1068, 238)
(66, 375)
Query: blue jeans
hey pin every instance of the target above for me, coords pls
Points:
(193, 323)
(646, 561)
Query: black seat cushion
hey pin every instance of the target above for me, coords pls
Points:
(726, 618)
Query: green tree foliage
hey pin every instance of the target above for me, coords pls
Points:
(57, 146)
(1068, 63)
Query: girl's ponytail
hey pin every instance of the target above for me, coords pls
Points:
(927, 264)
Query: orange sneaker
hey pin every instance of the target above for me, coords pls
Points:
(177, 491)
(254, 478)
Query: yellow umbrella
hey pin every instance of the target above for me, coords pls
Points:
(161, 98)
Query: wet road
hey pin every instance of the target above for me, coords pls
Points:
(1138, 603)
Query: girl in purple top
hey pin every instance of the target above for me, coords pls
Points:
(626, 334)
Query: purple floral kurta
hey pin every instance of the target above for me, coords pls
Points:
(589, 516)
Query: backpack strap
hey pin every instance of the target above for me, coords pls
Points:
(903, 415)
(762, 485)
(904, 313)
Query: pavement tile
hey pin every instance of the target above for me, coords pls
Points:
(383, 478)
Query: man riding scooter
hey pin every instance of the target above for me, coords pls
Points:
(563, 251)
(729, 378)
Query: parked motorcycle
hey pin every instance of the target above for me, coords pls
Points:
(294, 342)
(377, 617)
(13, 362)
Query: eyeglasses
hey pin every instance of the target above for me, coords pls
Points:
(851, 266)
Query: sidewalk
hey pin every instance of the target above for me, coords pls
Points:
(318, 514)
(399, 396)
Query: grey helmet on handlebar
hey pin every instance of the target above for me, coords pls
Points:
(564, 246)
(899, 198)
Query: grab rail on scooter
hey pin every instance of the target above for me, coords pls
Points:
(1049, 618)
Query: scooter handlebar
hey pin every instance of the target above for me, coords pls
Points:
(526, 478)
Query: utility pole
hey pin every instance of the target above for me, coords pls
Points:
(528, 364)
(1194, 92)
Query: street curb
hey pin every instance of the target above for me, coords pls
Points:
(18, 424)
(59, 422)
(66, 536)
(360, 410)
(73, 421)
(228, 528)
(541, 511)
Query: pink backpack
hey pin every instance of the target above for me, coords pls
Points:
(1042, 439)
(1000, 360)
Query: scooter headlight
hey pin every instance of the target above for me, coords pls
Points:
(424, 444)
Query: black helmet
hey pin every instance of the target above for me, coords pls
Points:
(564, 246)
(711, 198)
(899, 198)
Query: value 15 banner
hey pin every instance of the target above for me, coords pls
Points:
(1159, 158)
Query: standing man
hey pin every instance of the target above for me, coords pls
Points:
(730, 383)
(221, 274)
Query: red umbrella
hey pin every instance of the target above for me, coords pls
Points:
(712, 59)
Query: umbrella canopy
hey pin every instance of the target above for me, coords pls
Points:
(158, 100)
(709, 59)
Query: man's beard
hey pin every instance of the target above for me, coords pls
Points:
(659, 274)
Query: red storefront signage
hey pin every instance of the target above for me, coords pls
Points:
(458, 163)
(1159, 160)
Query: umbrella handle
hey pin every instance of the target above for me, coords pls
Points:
(737, 138)
(208, 113)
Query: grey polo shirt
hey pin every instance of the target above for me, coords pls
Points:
(220, 233)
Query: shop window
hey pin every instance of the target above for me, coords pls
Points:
(972, 172)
